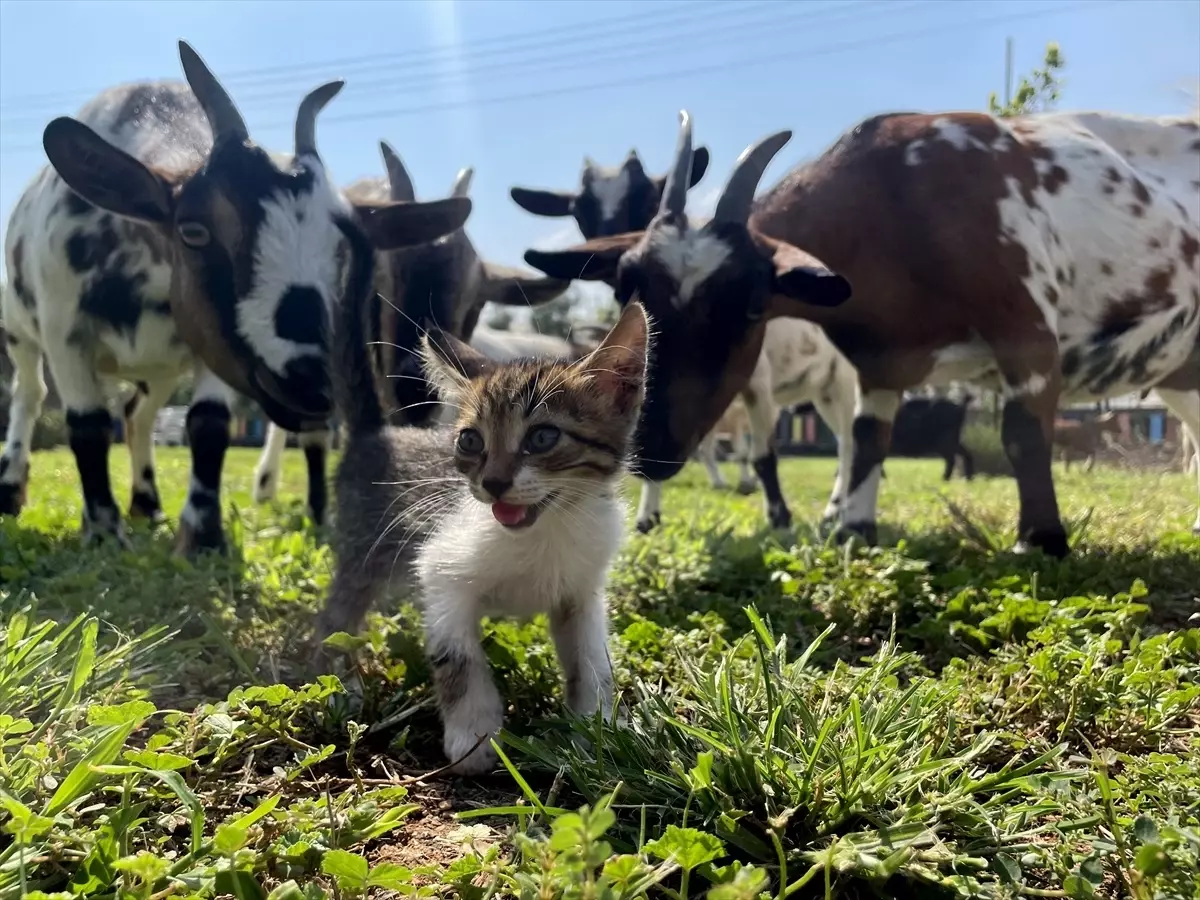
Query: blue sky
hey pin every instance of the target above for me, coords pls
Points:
(523, 89)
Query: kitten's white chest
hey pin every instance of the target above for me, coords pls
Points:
(563, 556)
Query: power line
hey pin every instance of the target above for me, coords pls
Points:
(676, 74)
(401, 58)
(571, 58)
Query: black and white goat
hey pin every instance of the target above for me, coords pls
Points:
(161, 239)
(443, 283)
(798, 364)
(1064, 269)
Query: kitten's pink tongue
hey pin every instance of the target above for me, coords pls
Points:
(509, 513)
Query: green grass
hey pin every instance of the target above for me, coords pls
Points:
(935, 717)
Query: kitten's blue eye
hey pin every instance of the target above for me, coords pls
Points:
(470, 442)
(541, 438)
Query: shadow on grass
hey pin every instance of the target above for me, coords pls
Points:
(216, 608)
(948, 595)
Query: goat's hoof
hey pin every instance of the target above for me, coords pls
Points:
(191, 542)
(146, 506)
(1052, 542)
(867, 532)
(645, 526)
(745, 488)
(779, 516)
(12, 498)
(264, 488)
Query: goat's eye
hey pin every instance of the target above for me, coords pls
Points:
(542, 438)
(470, 442)
(194, 234)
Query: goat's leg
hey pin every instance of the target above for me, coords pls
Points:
(89, 434)
(140, 411)
(968, 462)
(1090, 462)
(707, 451)
(747, 483)
(1029, 364)
(28, 395)
(1186, 405)
(763, 415)
(837, 410)
(316, 447)
(266, 473)
(208, 435)
(871, 435)
(649, 512)
(948, 472)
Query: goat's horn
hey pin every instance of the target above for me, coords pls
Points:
(738, 196)
(306, 116)
(400, 184)
(462, 183)
(674, 198)
(223, 117)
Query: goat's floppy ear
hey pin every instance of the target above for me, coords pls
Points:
(507, 286)
(393, 225)
(801, 277)
(554, 204)
(105, 175)
(618, 366)
(451, 364)
(594, 260)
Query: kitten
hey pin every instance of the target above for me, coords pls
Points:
(512, 511)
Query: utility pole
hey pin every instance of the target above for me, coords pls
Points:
(1008, 51)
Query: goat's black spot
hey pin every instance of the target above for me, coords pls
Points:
(148, 475)
(868, 449)
(11, 339)
(77, 206)
(92, 247)
(300, 316)
(1071, 361)
(19, 284)
(4, 462)
(208, 436)
(114, 298)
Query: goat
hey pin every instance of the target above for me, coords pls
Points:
(161, 238)
(1081, 438)
(1047, 257)
(442, 283)
(611, 199)
(798, 363)
(735, 425)
(932, 426)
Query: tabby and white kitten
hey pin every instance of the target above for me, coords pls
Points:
(514, 511)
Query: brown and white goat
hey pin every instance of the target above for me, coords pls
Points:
(162, 239)
(1049, 257)
(443, 283)
(798, 364)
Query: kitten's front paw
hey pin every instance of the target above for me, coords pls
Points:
(466, 761)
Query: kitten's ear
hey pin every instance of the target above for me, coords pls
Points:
(451, 364)
(618, 366)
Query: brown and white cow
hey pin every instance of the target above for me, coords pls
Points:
(1050, 257)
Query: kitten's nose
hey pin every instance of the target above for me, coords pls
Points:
(496, 486)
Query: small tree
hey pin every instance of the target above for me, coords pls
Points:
(1038, 91)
